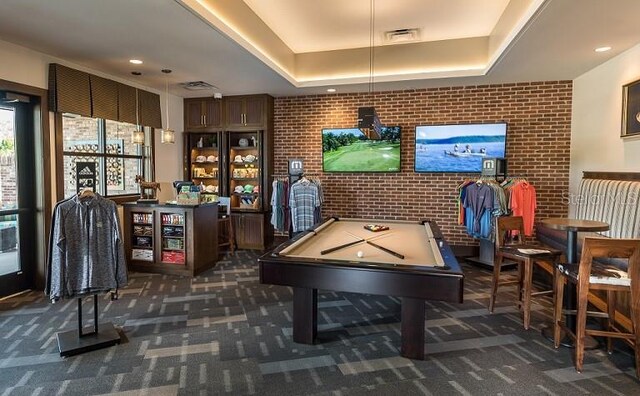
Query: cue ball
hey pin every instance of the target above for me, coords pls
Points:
(360, 253)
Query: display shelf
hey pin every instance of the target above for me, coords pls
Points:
(182, 243)
(245, 130)
(244, 148)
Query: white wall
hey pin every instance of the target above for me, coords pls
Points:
(597, 118)
(28, 67)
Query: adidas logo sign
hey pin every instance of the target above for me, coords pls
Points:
(86, 171)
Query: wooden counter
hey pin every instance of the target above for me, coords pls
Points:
(171, 239)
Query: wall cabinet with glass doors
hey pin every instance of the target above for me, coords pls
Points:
(202, 161)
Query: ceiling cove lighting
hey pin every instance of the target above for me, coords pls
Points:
(135, 61)
(602, 49)
(168, 134)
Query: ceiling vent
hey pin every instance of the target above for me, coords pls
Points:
(197, 85)
(402, 36)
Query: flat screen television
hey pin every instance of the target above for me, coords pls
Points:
(351, 150)
(458, 148)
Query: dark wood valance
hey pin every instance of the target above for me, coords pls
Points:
(149, 105)
(69, 90)
(126, 103)
(77, 92)
(104, 98)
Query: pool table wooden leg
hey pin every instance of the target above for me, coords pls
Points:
(412, 328)
(305, 315)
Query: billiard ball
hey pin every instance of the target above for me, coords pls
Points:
(360, 253)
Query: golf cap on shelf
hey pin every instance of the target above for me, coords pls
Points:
(238, 158)
(248, 188)
(238, 189)
(201, 158)
(211, 158)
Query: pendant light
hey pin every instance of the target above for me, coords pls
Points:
(137, 137)
(168, 134)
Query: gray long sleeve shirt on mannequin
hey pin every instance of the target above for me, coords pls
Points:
(86, 253)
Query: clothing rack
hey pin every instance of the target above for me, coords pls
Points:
(292, 178)
(487, 246)
(74, 342)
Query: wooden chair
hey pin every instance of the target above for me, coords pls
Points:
(508, 245)
(590, 275)
(226, 235)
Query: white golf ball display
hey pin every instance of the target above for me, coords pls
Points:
(360, 253)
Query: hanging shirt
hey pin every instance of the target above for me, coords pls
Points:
(86, 252)
(523, 203)
(303, 200)
(479, 197)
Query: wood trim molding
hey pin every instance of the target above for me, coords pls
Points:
(611, 175)
(45, 131)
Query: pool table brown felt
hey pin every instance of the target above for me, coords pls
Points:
(414, 283)
(403, 237)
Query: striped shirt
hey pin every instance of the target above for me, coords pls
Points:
(304, 198)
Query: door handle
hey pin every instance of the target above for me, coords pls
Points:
(204, 119)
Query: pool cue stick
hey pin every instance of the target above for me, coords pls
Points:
(398, 255)
(333, 249)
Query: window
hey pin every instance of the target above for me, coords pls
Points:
(108, 145)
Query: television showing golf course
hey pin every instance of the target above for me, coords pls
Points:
(350, 150)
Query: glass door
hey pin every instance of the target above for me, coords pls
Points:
(245, 170)
(17, 194)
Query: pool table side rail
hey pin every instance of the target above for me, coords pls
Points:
(436, 286)
(451, 265)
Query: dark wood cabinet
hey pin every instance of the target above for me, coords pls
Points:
(249, 111)
(202, 114)
(171, 239)
(253, 230)
(244, 155)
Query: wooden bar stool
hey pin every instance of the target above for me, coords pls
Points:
(590, 275)
(510, 245)
(225, 222)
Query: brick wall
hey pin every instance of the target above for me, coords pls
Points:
(538, 139)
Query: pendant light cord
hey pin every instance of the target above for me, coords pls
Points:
(166, 94)
(371, 45)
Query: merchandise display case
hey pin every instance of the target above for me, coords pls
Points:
(172, 227)
(142, 236)
(244, 151)
(202, 161)
(171, 239)
(245, 170)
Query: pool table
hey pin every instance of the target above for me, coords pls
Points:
(428, 270)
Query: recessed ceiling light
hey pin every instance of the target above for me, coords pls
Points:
(331, 90)
(135, 61)
(602, 49)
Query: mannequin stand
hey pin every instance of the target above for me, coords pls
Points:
(74, 342)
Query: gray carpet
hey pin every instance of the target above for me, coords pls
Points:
(225, 333)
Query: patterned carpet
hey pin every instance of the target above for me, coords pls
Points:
(224, 333)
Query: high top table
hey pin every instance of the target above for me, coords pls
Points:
(572, 226)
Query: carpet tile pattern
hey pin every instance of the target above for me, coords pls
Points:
(224, 333)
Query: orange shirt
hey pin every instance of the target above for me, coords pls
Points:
(523, 203)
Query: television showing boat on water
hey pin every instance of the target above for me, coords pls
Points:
(458, 147)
